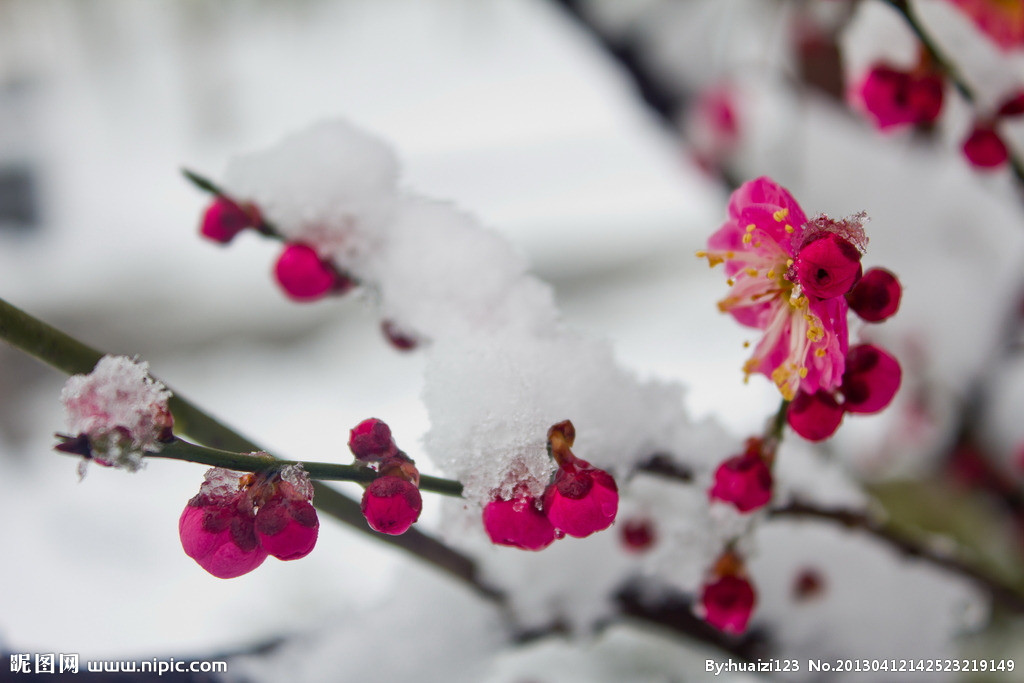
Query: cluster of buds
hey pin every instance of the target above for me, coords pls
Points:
(300, 271)
(238, 519)
(303, 274)
(894, 98)
(115, 414)
(870, 381)
(391, 502)
(727, 598)
(797, 279)
(984, 147)
(580, 500)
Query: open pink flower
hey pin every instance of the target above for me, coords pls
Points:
(1002, 20)
(801, 309)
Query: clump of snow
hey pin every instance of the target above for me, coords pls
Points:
(219, 483)
(120, 408)
(330, 186)
(855, 615)
(296, 476)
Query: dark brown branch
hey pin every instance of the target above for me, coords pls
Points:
(861, 521)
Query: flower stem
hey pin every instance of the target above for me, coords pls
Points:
(949, 68)
(63, 352)
(179, 449)
(1002, 593)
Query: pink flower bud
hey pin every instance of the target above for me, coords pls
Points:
(828, 266)
(582, 499)
(1012, 105)
(219, 535)
(814, 416)
(391, 505)
(984, 148)
(302, 274)
(518, 523)
(743, 480)
(728, 603)
(877, 296)
(287, 526)
(894, 98)
(871, 379)
(224, 219)
(397, 338)
(638, 535)
(371, 440)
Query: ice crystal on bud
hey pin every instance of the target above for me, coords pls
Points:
(518, 523)
(120, 409)
(828, 262)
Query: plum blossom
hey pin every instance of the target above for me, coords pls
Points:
(788, 276)
(1001, 20)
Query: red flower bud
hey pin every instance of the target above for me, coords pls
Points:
(828, 266)
(303, 275)
(728, 603)
(814, 416)
(984, 148)
(877, 296)
(224, 219)
(391, 505)
(743, 480)
(871, 379)
(287, 525)
(371, 440)
(518, 523)
(582, 499)
(219, 535)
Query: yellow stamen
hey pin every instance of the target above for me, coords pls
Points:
(747, 239)
(820, 353)
(751, 227)
(790, 229)
(780, 215)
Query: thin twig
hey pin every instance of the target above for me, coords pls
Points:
(869, 524)
(948, 67)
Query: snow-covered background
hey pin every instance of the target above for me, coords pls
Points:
(508, 109)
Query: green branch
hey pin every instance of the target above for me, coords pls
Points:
(71, 356)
